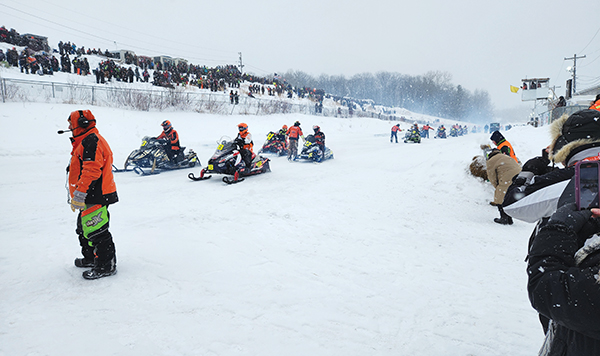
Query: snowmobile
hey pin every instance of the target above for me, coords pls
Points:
(274, 144)
(453, 132)
(312, 152)
(227, 159)
(441, 133)
(151, 158)
(412, 136)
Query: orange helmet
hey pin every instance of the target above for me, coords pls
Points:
(284, 127)
(243, 127)
(166, 125)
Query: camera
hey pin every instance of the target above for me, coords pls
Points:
(586, 184)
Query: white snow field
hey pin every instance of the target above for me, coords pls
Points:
(389, 249)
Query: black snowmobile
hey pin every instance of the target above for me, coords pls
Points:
(312, 152)
(227, 159)
(151, 158)
(441, 132)
(275, 143)
(412, 135)
(453, 132)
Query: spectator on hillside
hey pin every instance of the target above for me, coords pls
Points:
(23, 62)
(12, 57)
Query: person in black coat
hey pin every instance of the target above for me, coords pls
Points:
(564, 277)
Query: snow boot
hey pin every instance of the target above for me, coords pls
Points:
(84, 262)
(504, 218)
(98, 273)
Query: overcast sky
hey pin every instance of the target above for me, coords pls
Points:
(487, 45)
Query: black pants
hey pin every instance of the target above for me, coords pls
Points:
(293, 151)
(246, 157)
(172, 154)
(99, 247)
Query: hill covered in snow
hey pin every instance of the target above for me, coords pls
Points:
(389, 249)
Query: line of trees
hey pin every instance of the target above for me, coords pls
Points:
(431, 94)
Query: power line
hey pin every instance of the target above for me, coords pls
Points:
(587, 64)
(590, 40)
(109, 41)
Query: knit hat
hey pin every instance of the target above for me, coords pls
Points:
(571, 134)
(497, 137)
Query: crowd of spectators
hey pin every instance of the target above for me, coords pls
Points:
(160, 71)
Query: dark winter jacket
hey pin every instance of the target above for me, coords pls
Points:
(320, 138)
(564, 287)
(173, 137)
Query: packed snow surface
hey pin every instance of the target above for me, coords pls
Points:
(388, 249)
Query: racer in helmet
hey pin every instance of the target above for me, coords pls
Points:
(282, 135)
(319, 139)
(245, 144)
(171, 138)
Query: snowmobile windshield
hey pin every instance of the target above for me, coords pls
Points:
(224, 146)
(223, 140)
(310, 138)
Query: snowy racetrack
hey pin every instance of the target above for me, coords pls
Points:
(389, 249)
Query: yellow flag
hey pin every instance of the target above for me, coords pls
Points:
(514, 89)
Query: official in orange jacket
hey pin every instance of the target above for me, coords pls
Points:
(395, 130)
(294, 133)
(173, 148)
(91, 190)
(503, 145)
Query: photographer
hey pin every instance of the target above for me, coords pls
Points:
(564, 281)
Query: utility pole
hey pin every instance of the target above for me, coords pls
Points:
(241, 65)
(574, 58)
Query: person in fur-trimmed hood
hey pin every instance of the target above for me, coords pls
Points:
(535, 193)
(564, 254)
(572, 135)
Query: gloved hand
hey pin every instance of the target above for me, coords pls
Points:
(536, 165)
(576, 220)
(78, 201)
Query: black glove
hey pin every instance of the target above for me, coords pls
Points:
(537, 165)
(576, 220)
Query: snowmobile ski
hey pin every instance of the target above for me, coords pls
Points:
(142, 172)
(201, 177)
(118, 170)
